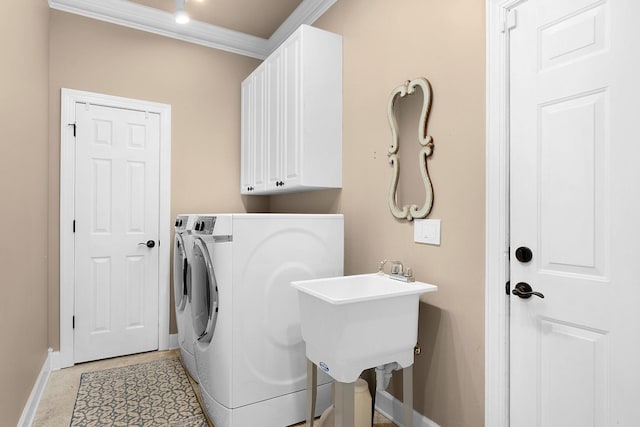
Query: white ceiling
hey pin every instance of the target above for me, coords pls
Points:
(247, 27)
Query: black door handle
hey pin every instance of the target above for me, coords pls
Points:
(524, 290)
(149, 243)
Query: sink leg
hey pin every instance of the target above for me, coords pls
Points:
(345, 404)
(407, 395)
(312, 382)
(370, 376)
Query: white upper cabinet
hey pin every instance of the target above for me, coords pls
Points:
(292, 117)
(253, 136)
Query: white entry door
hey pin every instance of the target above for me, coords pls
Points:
(116, 232)
(575, 212)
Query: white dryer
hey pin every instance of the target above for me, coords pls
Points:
(249, 350)
(182, 248)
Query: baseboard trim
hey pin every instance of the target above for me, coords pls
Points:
(29, 411)
(54, 361)
(392, 408)
(173, 341)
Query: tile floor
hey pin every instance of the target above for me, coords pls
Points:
(56, 406)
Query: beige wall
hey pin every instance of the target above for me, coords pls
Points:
(385, 43)
(23, 206)
(201, 84)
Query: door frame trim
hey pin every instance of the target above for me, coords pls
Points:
(497, 403)
(69, 98)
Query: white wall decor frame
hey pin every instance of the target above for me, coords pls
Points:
(69, 98)
(425, 142)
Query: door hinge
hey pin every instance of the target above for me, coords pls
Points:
(507, 287)
(510, 20)
(73, 322)
(74, 128)
(74, 225)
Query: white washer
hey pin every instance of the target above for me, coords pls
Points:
(182, 249)
(249, 350)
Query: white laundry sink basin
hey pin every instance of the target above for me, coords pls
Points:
(353, 323)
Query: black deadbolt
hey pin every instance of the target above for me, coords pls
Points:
(524, 254)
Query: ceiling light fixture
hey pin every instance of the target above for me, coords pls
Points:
(181, 15)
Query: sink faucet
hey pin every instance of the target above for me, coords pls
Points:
(395, 266)
(397, 271)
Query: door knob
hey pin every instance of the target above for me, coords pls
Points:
(524, 290)
(524, 254)
(149, 243)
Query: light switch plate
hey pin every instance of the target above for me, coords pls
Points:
(426, 231)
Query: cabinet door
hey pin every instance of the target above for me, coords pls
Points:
(275, 96)
(260, 131)
(292, 114)
(247, 135)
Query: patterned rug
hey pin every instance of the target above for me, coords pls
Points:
(149, 394)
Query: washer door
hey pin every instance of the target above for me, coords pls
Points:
(204, 298)
(180, 268)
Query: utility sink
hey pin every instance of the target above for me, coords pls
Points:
(353, 323)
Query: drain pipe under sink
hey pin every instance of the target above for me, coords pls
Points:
(383, 375)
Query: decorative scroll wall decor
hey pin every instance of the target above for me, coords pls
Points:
(426, 143)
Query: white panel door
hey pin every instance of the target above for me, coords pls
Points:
(116, 214)
(248, 135)
(254, 128)
(574, 100)
(293, 111)
(261, 123)
(275, 110)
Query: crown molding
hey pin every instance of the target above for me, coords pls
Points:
(137, 16)
(133, 15)
(306, 13)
